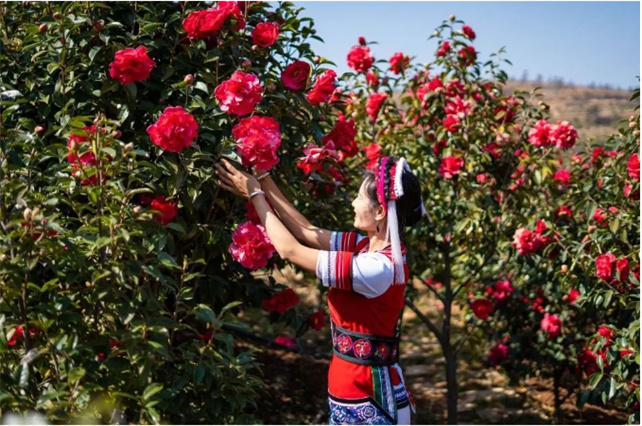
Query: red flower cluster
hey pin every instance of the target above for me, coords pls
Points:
(175, 129)
(295, 76)
(498, 354)
(468, 55)
(131, 65)
(314, 157)
(552, 325)
(587, 361)
(482, 308)
(281, 301)
(166, 210)
(373, 153)
(323, 88)
(443, 49)
(85, 160)
(206, 23)
(633, 167)
(360, 58)
(316, 320)
(240, 94)
(458, 107)
(259, 139)
(265, 34)
(251, 246)
(19, 333)
(399, 62)
(562, 134)
(450, 166)
(373, 104)
(343, 136)
(539, 135)
(604, 268)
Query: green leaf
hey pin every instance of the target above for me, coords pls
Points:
(152, 390)
(204, 313)
(76, 374)
(595, 379)
(230, 306)
(167, 260)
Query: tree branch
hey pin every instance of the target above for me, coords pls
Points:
(425, 320)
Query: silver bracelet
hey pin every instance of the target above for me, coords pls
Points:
(263, 175)
(256, 193)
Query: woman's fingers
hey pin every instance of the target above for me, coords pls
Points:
(230, 168)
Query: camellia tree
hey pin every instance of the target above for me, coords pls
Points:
(488, 163)
(122, 265)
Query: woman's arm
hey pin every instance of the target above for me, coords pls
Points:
(300, 227)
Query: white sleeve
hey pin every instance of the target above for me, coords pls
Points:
(369, 274)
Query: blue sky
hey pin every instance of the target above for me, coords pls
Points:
(581, 42)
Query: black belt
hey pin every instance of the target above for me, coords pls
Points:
(365, 349)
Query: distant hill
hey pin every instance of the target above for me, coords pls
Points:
(593, 112)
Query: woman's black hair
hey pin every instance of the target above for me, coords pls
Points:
(408, 205)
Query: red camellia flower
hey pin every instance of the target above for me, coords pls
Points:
(360, 58)
(317, 320)
(587, 361)
(285, 341)
(373, 105)
(17, 334)
(251, 246)
(603, 265)
(115, 344)
(526, 241)
(626, 352)
(372, 79)
(600, 217)
(399, 62)
(629, 193)
(342, 135)
(498, 354)
(443, 49)
(314, 157)
(373, 153)
(167, 210)
(468, 54)
(540, 134)
(451, 123)
(563, 135)
(468, 32)
(240, 94)
(482, 308)
(454, 88)
(563, 176)
(259, 139)
(323, 88)
(362, 41)
(281, 301)
(634, 167)
(606, 332)
(622, 268)
(87, 159)
(552, 325)
(502, 290)
(175, 129)
(457, 106)
(563, 211)
(295, 76)
(265, 34)
(206, 23)
(450, 166)
(131, 65)
(573, 295)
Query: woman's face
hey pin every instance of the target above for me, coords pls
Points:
(365, 216)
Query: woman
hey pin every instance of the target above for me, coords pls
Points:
(366, 276)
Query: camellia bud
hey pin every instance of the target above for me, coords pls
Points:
(3, 257)
(116, 134)
(35, 212)
(632, 124)
(129, 147)
(39, 130)
(73, 146)
(254, 48)
(321, 118)
(137, 210)
(316, 59)
(362, 41)
(427, 65)
(57, 15)
(590, 228)
(543, 106)
(564, 269)
(27, 214)
(246, 64)
(189, 79)
(98, 26)
(43, 28)
(636, 133)
(452, 18)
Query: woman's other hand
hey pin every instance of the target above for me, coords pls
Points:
(234, 180)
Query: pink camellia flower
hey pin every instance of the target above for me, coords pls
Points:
(166, 210)
(372, 79)
(259, 139)
(295, 76)
(563, 135)
(323, 88)
(604, 266)
(526, 241)
(552, 325)
(240, 94)
(360, 58)
(573, 294)
(468, 54)
(502, 290)
(399, 62)
(314, 157)
(482, 308)
(498, 354)
(131, 65)
(175, 129)
(563, 176)
(316, 320)
(265, 34)
(202, 24)
(285, 341)
(373, 105)
(540, 134)
(443, 49)
(633, 167)
(452, 123)
(251, 246)
(451, 166)
(482, 178)
(468, 32)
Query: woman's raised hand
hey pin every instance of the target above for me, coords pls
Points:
(234, 180)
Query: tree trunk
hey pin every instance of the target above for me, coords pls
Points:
(451, 382)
